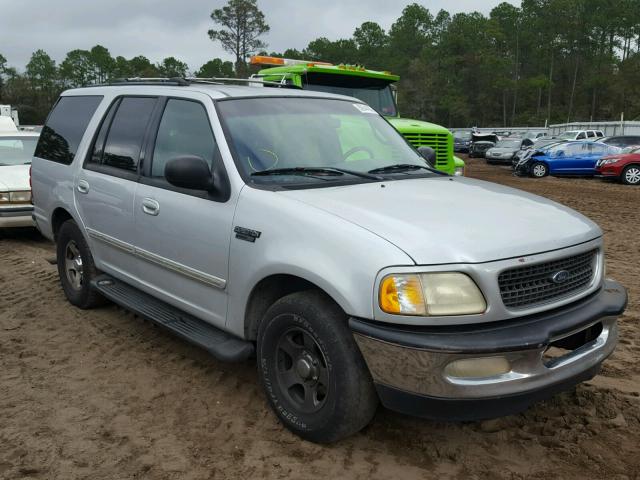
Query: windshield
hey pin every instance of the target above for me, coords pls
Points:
(462, 135)
(568, 135)
(509, 144)
(380, 98)
(17, 150)
(283, 133)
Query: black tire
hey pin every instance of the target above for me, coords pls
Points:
(342, 407)
(79, 293)
(631, 175)
(539, 170)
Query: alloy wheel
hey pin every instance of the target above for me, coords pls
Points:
(73, 265)
(539, 171)
(632, 175)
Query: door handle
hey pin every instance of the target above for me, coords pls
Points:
(83, 186)
(150, 206)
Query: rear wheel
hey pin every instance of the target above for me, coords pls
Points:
(75, 267)
(312, 371)
(631, 175)
(539, 170)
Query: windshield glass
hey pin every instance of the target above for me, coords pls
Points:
(305, 133)
(509, 144)
(17, 150)
(380, 98)
(568, 135)
(462, 135)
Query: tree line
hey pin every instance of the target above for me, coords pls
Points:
(545, 61)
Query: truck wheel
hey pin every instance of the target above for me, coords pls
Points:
(631, 175)
(539, 170)
(313, 373)
(75, 267)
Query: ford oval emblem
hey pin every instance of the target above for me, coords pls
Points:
(560, 277)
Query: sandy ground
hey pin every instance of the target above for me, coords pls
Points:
(104, 395)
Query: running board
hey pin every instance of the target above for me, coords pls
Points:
(220, 344)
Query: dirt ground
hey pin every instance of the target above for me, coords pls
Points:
(104, 395)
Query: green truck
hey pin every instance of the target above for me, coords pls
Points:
(370, 86)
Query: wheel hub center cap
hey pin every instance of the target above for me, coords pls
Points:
(304, 368)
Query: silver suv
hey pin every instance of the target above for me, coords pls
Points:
(300, 228)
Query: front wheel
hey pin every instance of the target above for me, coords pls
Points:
(631, 175)
(539, 170)
(311, 369)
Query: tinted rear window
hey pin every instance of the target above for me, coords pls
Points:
(65, 127)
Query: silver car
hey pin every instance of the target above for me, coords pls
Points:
(301, 229)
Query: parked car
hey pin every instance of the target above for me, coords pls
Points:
(480, 143)
(535, 135)
(570, 158)
(291, 225)
(622, 141)
(16, 151)
(580, 135)
(539, 144)
(505, 150)
(461, 141)
(624, 166)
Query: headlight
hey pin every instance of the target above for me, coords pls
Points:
(431, 294)
(15, 197)
(459, 172)
(608, 161)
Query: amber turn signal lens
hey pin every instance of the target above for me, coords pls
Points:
(402, 295)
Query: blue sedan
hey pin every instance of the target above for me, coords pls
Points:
(571, 158)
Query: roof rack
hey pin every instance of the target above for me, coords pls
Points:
(186, 81)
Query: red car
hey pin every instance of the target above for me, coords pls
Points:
(624, 166)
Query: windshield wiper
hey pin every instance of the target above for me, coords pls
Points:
(309, 171)
(400, 167)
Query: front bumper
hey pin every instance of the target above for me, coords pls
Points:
(502, 159)
(16, 217)
(408, 363)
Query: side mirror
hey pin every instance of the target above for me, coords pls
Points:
(429, 154)
(190, 172)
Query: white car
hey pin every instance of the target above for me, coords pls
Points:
(580, 135)
(16, 151)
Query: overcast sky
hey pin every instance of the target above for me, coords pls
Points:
(162, 28)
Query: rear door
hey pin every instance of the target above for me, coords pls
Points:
(183, 236)
(106, 185)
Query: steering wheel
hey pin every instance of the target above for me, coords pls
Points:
(356, 150)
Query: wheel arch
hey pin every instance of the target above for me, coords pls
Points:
(58, 217)
(269, 290)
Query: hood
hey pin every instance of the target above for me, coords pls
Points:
(14, 177)
(445, 220)
(406, 125)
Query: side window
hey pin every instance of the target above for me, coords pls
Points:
(184, 131)
(65, 128)
(98, 146)
(591, 134)
(121, 135)
(581, 136)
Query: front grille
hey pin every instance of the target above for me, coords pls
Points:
(440, 142)
(532, 285)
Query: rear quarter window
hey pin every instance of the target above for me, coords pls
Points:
(65, 128)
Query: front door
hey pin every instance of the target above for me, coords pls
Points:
(106, 185)
(182, 236)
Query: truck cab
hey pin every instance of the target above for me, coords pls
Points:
(373, 87)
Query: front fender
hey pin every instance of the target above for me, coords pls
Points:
(298, 239)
